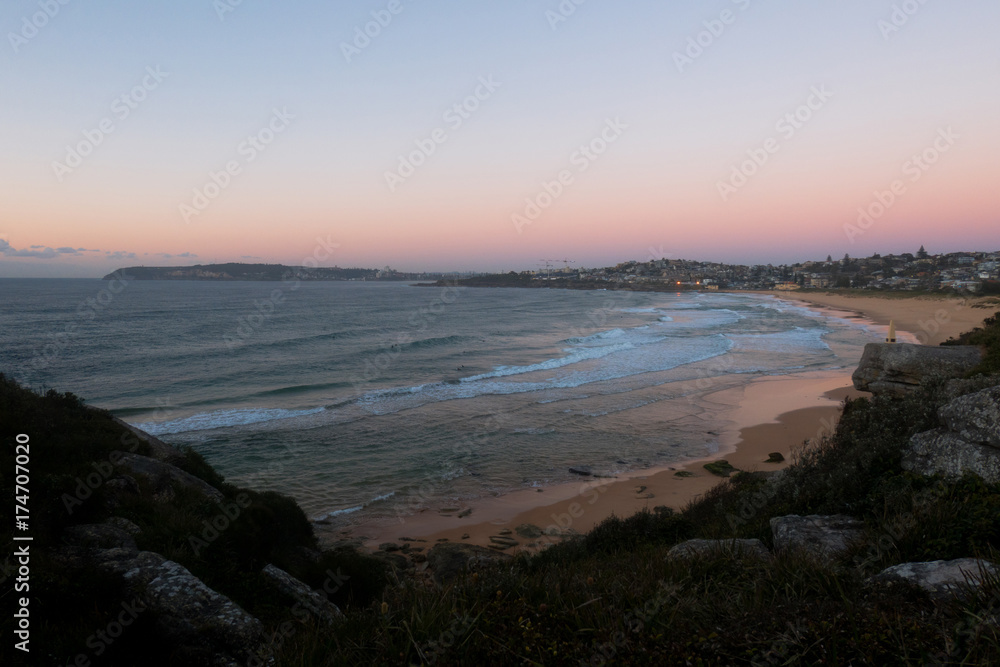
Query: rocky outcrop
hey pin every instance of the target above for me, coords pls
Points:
(895, 369)
(824, 536)
(969, 442)
(732, 548)
(313, 602)
(941, 452)
(101, 536)
(163, 476)
(975, 417)
(213, 629)
(449, 560)
(940, 578)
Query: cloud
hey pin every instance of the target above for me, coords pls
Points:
(167, 255)
(249, 257)
(37, 251)
(119, 254)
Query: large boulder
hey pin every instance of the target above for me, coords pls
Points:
(942, 579)
(824, 536)
(735, 548)
(941, 452)
(448, 560)
(975, 417)
(895, 369)
(969, 442)
(164, 476)
(213, 629)
(312, 601)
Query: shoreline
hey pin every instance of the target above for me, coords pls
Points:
(770, 414)
(929, 320)
(579, 506)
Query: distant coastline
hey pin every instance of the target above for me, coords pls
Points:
(235, 271)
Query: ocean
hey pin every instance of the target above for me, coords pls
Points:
(368, 400)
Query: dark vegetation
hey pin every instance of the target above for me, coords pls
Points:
(609, 597)
(71, 442)
(987, 336)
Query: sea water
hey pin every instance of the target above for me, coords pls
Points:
(364, 400)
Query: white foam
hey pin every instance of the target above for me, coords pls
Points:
(221, 419)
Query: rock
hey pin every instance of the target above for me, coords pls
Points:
(529, 531)
(464, 513)
(775, 457)
(465, 536)
(451, 559)
(506, 542)
(388, 547)
(941, 452)
(163, 476)
(645, 496)
(975, 417)
(187, 612)
(313, 602)
(101, 536)
(584, 471)
(396, 561)
(734, 548)
(826, 536)
(683, 473)
(895, 369)
(160, 450)
(126, 525)
(940, 578)
(506, 531)
(720, 468)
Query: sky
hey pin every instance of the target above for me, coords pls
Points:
(491, 136)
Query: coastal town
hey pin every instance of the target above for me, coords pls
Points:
(976, 272)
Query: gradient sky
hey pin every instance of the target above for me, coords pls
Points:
(654, 192)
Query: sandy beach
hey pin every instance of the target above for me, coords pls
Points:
(930, 320)
(773, 414)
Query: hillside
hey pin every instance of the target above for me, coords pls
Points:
(236, 271)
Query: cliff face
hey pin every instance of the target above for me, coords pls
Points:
(897, 368)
